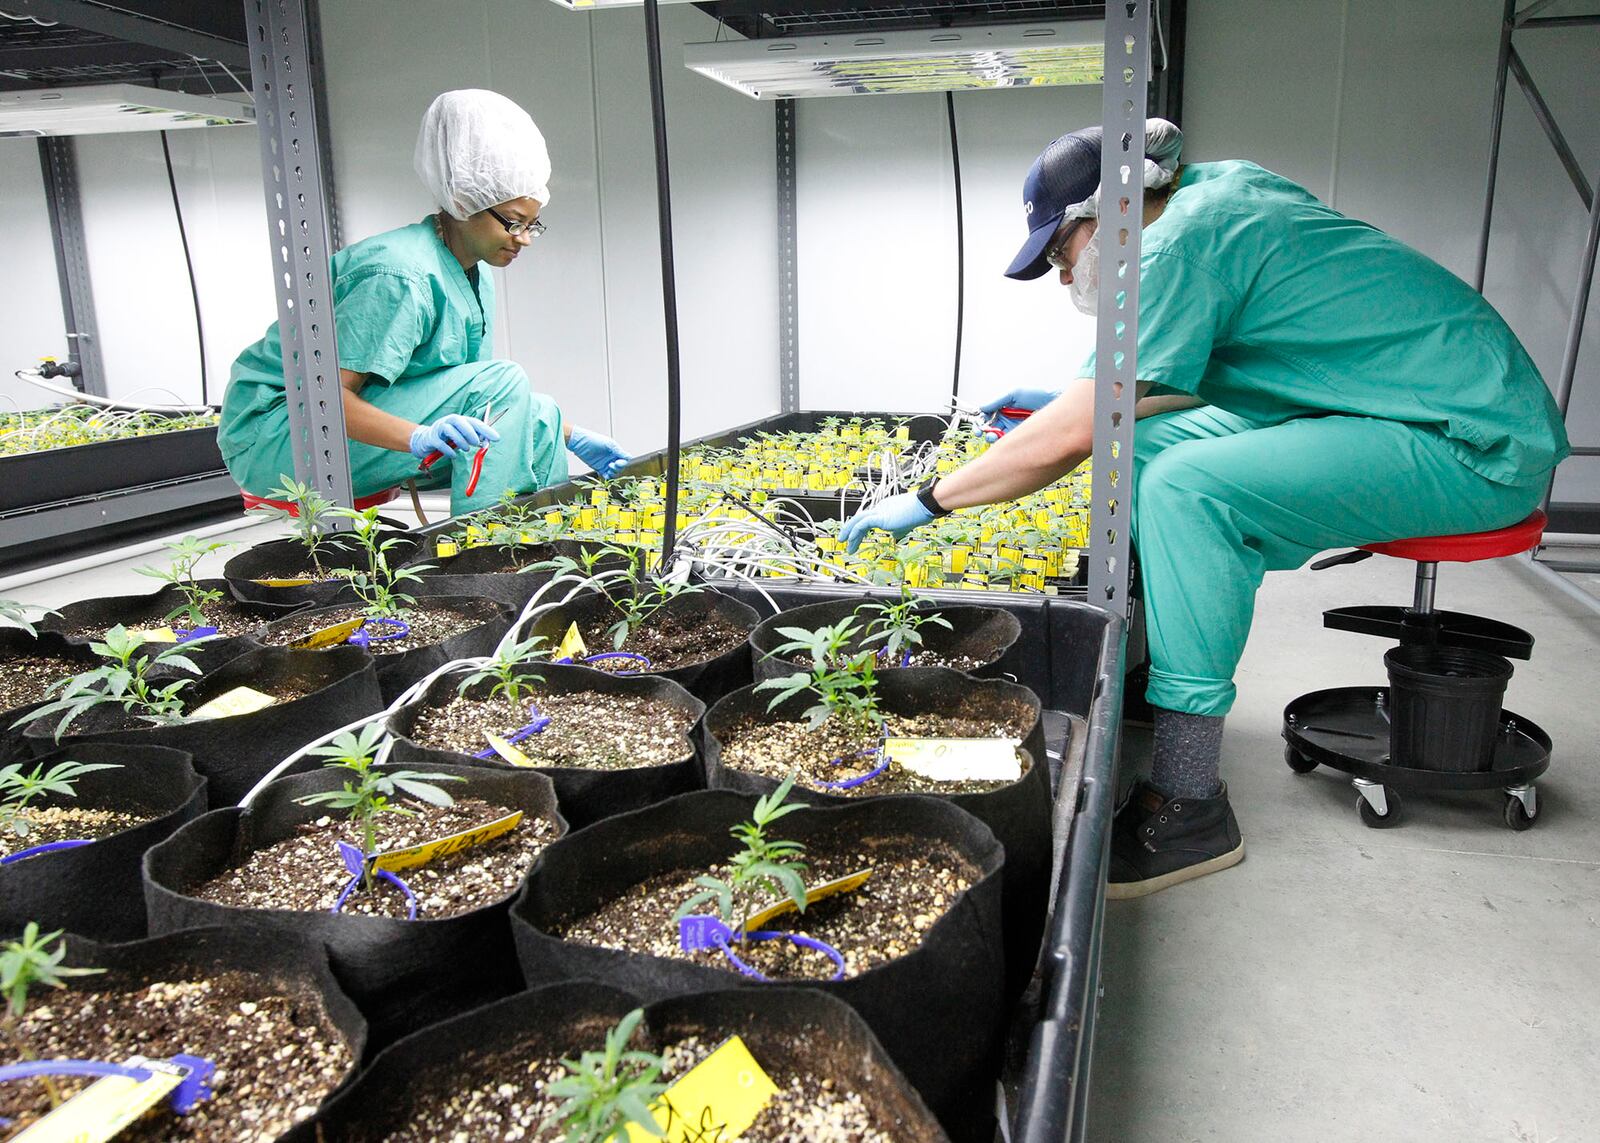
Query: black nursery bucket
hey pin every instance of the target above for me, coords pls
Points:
(286, 559)
(1444, 707)
(584, 795)
(787, 1030)
(95, 890)
(402, 974)
(981, 633)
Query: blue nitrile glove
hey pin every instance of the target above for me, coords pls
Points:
(449, 433)
(1030, 399)
(602, 454)
(898, 514)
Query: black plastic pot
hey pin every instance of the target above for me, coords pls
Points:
(149, 610)
(585, 796)
(708, 680)
(1444, 706)
(16, 643)
(398, 671)
(1019, 814)
(939, 1010)
(285, 559)
(786, 1029)
(981, 633)
(234, 753)
(402, 974)
(95, 889)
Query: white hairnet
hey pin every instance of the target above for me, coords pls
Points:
(1163, 148)
(477, 149)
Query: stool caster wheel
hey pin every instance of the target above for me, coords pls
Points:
(1522, 808)
(1379, 805)
(1297, 761)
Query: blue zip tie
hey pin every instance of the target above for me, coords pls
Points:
(48, 847)
(197, 633)
(703, 932)
(356, 862)
(860, 779)
(360, 637)
(618, 655)
(191, 1090)
(540, 721)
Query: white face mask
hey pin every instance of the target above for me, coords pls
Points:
(1085, 285)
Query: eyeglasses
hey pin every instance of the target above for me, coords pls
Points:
(517, 229)
(1056, 252)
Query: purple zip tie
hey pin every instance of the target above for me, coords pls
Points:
(356, 862)
(360, 637)
(197, 633)
(860, 779)
(191, 1089)
(704, 932)
(540, 721)
(48, 847)
(617, 655)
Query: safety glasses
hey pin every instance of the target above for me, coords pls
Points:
(1056, 252)
(515, 228)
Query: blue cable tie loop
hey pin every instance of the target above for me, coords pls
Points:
(536, 725)
(193, 1088)
(48, 847)
(361, 637)
(619, 655)
(197, 633)
(859, 779)
(356, 862)
(702, 932)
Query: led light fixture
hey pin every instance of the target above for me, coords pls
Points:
(107, 108)
(591, 5)
(883, 63)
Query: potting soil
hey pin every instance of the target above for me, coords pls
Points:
(58, 823)
(911, 887)
(587, 730)
(228, 617)
(277, 1057)
(24, 679)
(428, 624)
(918, 659)
(668, 641)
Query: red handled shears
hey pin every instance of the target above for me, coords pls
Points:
(1011, 411)
(477, 457)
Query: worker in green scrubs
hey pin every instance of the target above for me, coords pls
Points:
(414, 315)
(1307, 382)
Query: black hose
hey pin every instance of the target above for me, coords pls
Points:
(961, 246)
(669, 293)
(194, 289)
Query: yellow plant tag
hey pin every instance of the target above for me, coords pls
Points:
(328, 636)
(155, 635)
(507, 751)
(239, 700)
(104, 1108)
(414, 855)
(846, 884)
(718, 1098)
(293, 581)
(572, 645)
(957, 759)
(444, 549)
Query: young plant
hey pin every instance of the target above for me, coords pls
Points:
(17, 789)
(17, 613)
(125, 679)
(606, 1091)
(186, 553)
(376, 586)
(845, 686)
(307, 518)
(898, 626)
(764, 864)
(367, 792)
(640, 605)
(506, 668)
(24, 965)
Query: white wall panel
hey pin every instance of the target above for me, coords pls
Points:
(31, 325)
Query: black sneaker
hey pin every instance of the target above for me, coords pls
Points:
(1158, 841)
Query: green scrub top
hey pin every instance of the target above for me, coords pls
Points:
(1263, 302)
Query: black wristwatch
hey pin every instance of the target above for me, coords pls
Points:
(925, 498)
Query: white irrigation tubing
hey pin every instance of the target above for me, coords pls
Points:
(33, 377)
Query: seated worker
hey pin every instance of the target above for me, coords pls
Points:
(414, 315)
(1309, 383)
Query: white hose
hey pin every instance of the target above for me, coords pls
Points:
(33, 377)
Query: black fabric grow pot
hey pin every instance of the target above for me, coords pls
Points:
(492, 572)
(15, 643)
(708, 680)
(148, 610)
(398, 671)
(234, 753)
(402, 974)
(786, 1029)
(585, 796)
(939, 1010)
(286, 559)
(95, 889)
(981, 633)
(1019, 814)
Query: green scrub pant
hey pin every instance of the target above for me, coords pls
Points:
(530, 454)
(1220, 500)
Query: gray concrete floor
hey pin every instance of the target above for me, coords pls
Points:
(1436, 981)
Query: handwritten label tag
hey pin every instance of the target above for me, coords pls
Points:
(395, 860)
(328, 636)
(239, 700)
(155, 635)
(293, 581)
(107, 1106)
(957, 759)
(507, 751)
(444, 549)
(572, 645)
(847, 884)
(718, 1098)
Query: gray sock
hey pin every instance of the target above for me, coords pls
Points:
(1187, 761)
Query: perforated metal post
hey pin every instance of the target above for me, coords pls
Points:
(788, 258)
(59, 164)
(1121, 230)
(297, 216)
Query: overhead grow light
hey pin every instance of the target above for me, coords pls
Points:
(107, 108)
(587, 5)
(884, 63)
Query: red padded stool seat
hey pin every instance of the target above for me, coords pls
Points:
(1468, 547)
(251, 500)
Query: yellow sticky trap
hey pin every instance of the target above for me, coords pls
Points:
(719, 1098)
(239, 700)
(294, 581)
(572, 645)
(846, 884)
(328, 636)
(414, 855)
(507, 751)
(957, 759)
(107, 1106)
(155, 635)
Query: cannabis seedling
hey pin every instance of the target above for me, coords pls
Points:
(23, 965)
(764, 864)
(641, 604)
(186, 553)
(898, 626)
(506, 668)
(13, 612)
(366, 794)
(844, 686)
(125, 680)
(606, 1091)
(17, 789)
(307, 515)
(375, 586)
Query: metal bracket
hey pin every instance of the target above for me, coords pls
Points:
(58, 162)
(788, 260)
(1373, 793)
(1528, 796)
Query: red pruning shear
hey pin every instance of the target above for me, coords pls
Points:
(1011, 411)
(477, 457)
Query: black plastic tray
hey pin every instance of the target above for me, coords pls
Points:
(57, 474)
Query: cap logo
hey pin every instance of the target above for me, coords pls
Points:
(1027, 208)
